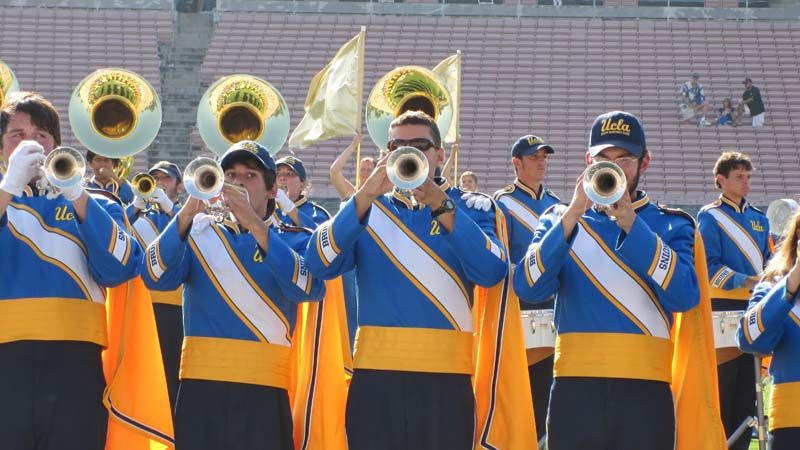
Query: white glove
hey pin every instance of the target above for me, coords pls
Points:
(139, 203)
(23, 165)
(161, 199)
(284, 202)
(73, 192)
(477, 201)
(201, 222)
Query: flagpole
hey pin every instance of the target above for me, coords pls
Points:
(360, 103)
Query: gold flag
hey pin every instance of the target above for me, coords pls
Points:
(450, 72)
(333, 103)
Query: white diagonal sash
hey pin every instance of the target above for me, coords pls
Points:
(741, 238)
(60, 249)
(146, 230)
(619, 283)
(419, 263)
(520, 211)
(256, 309)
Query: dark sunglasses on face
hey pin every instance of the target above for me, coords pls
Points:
(421, 144)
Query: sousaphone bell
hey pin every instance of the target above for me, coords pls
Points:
(8, 82)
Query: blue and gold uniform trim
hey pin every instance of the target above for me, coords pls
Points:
(663, 264)
(533, 264)
(753, 325)
(326, 246)
(236, 361)
(784, 399)
(53, 319)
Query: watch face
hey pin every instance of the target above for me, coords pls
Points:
(449, 204)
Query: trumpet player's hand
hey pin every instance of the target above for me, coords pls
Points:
(139, 203)
(239, 205)
(160, 198)
(577, 207)
(23, 166)
(376, 185)
(622, 212)
(191, 208)
(284, 202)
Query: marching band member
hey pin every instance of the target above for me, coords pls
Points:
(146, 225)
(618, 274)
(736, 237)
(292, 195)
(105, 177)
(242, 281)
(771, 326)
(416, 264)
(59, 256)
(522, 203)
(344, 188)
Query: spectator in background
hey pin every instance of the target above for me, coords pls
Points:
(751, 98)
(693, 96)
(343, 186)
(726, 114)
(469, 181)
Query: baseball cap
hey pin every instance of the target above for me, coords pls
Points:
(617, 129)
(252, 149)
(170, 169)
(696, 76)
(296, 164)
(747, 80)
(529, 144)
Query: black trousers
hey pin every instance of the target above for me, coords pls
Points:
(169, 322)
(610, 414)
(541, 379)
(785, 439)
(51, 396)
(392, 410)
(737, 396)
(217, 415)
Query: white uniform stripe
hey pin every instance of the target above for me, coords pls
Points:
(751, 319)
(153, 260)
(721, 277)
(328, 253)
(665, 261)
(740, 237)
(238, 289)
(423, 267)
(532, 264)
(303, 278)
(120, 244)
(525, 215)
(627, 291)
(57, 247)
(146, 230)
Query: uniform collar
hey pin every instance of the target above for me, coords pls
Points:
(738, 208)
(399, 198)
(301, 201)
(111, 183)
(528, 190)
(641, 202)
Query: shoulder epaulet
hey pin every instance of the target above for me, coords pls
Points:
(551, 194)
(715, 204)
(506, 190)
(294, 228)
(317, 205)
(757, 210)
(676, 212)
(104, 193)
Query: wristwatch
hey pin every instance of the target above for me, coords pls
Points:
(447, 206)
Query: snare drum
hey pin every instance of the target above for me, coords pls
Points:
(538, 328)
(725, 325)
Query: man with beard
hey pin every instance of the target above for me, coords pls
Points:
(618, 273)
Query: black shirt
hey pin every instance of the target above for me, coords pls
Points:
(756, 106)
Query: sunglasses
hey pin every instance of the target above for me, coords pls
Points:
(421, 144)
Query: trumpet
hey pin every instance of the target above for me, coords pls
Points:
(407, 168)
(604, 183)
(143, 185)
(204, 180)
(64, 167)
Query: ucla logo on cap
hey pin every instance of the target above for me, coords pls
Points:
(290, 160)
(533, 140)
(618, 127)
(251, 146)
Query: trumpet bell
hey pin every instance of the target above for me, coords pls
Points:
(779, 213)
(143, 184)
(408, 88)
(64, 167)
(407, 167)
(115, 112)
(604, 183)
(8, 82)
(242, 107)
(203, 178)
